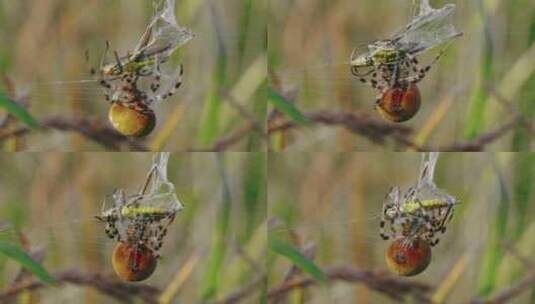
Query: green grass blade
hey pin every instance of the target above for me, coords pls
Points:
(210, 122)
(291, 253)
(475, 122)
(212, 276)
(26, 261)
(287, 108)
(523, 182)
(494, 251)
(17, 111)
(254, 193)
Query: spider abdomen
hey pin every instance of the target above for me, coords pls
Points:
(133, 262)
(408, 257)
(399, 104)
(132, 119)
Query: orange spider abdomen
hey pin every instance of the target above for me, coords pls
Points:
(133, 263)
(408, 257)
(134, 120)
(398, 104)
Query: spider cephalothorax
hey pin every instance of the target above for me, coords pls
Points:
(132, 221)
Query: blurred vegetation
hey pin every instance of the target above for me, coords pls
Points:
(485, 77)
(49, 200)
(331, 203)
(225, 67)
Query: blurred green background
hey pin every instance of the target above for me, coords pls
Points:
(332, 202)
(309, 42)
(52, 198)
(225, 67)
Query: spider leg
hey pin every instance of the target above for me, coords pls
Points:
(104, 55)
(382, 231)
(119, 64)
(155, 85)
(174, 88)
(447, 217)
(382, 222)
(421, 72)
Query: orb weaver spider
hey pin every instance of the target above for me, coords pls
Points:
(131, 111)
(131, 222)
(393, 69)
(120, 79)
(412, 217)
(401, 71)
(396, 56)
(398, 97)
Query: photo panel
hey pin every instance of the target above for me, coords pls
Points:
(133, 75)
(387, 227)
(424, 75)
(116, 227)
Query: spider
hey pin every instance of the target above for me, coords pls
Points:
(394, 58)
(399, 72)
(393, 69)
(120, 79)
(131, 223)
(413, 218)
(394, 75)
(131, 110)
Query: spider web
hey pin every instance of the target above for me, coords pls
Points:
(428, 28)
(164, 32)
(426, 188)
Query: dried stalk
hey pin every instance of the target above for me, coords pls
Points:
(114, 288)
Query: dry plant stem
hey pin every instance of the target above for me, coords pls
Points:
(252, 286)
(393, 287)
(245, 291)
(119, 290)
(377, 131)
(249, 260)
(105, 136)
(479, 143)
(510, 293)
(508, 105)
(308, 251)
(244, 112)
(227, 142)
(509, 246)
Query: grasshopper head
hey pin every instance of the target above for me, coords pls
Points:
(362, 61)
(111, 70)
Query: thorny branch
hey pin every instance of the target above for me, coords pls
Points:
(104, 136)
(119, 290)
